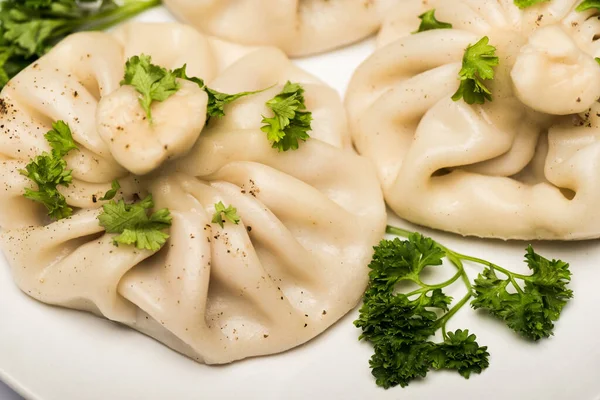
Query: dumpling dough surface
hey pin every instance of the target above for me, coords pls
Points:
(293, 266)
(298, 27)
(523, 166)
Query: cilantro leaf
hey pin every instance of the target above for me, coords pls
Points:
(460, 352)
(134, 225)
(49, 171)
(153, 83)
(429, 22)
(29, 28)
(222, 213)
(530, 311)
(528, 3)
(290, 123)
(588, 5)
(477, 66)
(216, 100)
(110, 194)
(60, 139)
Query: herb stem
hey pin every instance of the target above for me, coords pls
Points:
(493, 266)
(122, 13)
(457, 257)
(428, 288)
(442, 321)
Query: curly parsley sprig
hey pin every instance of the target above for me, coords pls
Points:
(401, 325)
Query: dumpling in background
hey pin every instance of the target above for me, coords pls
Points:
(294, 263)
(522, 166)
(298, 27)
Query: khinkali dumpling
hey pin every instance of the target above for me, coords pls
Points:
(298, 27)
(295, 263)
(522, 166)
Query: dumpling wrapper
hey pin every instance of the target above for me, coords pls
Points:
(294, 265)
(298, 27)
(523, 166)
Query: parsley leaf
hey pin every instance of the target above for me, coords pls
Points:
(477, 66)
(29, 28)
(153, 83)
(221, 214)
(110, 194)
(49, 171)
(134, 225)
(528, 3)
(216, 100)
(460, 352)
(429, 22)
(290, 123)
(532, 310)
(401, 326)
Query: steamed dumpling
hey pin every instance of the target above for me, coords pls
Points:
(295, 263)
(298, 27)
(522, 166)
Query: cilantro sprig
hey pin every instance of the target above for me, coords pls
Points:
(401, 325)
(528, 3)
(112, 192)
(155, 83)
(29, 28)
(135, 225)
(216, 100)
(223, 213)
(477, 67)
(291, 122)
(588, 5)
(152, 82)
(429, 22)
(49, 170)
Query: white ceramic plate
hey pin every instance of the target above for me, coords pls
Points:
(55, 354)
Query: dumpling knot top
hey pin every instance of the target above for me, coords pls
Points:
(522, 166)
(298, 27)
(293, 265)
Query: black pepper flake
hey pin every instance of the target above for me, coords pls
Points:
(305, 325)
(94, 199)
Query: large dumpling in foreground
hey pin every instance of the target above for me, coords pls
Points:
(217, 291)
(522, 166)
(298, 27)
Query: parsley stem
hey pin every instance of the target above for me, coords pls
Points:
(428, 288)
(456, 257)
(442, 321)
(392, 230)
